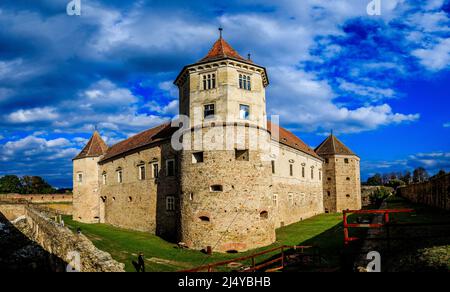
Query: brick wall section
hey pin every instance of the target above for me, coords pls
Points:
(435, 193)
(37, 198)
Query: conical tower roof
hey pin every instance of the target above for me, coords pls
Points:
(221, 50)
(94, 148)
(333, 146)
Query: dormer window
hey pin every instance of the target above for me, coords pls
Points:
(245, 82)
(209, 81)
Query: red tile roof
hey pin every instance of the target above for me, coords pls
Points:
(164, 131)
(142, 139)
(94, 148)
(332, 146)
(221, 50)
(289, 139)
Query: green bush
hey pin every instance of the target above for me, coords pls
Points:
(379, 195)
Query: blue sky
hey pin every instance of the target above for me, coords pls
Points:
(380, 82)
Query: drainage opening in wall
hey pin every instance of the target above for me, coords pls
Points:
(216, 188)
(204, 218)
(264, 215)
(232, 251)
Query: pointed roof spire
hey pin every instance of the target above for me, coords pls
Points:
(221, 50)
(95, 147)
(333, 146)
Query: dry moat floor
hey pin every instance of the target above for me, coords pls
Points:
(325, 232)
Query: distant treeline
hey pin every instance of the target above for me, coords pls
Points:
(396, 179)
(27, 185)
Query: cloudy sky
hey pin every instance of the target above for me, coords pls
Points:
(380, 82)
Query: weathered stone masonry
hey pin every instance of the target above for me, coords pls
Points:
(227, 194)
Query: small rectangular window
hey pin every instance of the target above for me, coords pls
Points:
(241, 155)
(291, 199)
(327, 160)
(142, 172)
(275, 200)
(291, 170)
(320, 175)
(170, 167)
(104, 178)
(346, 160)
(312, 173)
(197, 157)
(208, 111)
(245, 82)
(273, 166)
(155, 170)
(244, 112)
(170, 203)
(80, 177)
(303, 171)
(119, 177)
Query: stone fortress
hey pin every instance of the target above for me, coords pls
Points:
(230, 198)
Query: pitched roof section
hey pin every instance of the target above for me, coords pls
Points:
(142, 139)
(332, 146)
(221, 50)
(94, 148)
(289, 139)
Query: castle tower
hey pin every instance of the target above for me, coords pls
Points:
(86, 199)
(224, 178)
(341, 179)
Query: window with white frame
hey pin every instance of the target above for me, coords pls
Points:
(170, 203)
(275, 200)
(141, 172)
(170, 167)
(208, 111)
(244, 112)
(245, 82)
(291, 199)
(209, 81)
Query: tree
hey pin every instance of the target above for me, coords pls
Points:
(375, 180)
(10, 184)
(395, 183)
(35, 185)
(420, 175)
(407, 177)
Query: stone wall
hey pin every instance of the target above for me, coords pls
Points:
(60, 241)
(225, 201)
(140, 203)
(37, 198)
(298, 196)
(342, 183)
(435, 193)
(86, 199)
(12, 211)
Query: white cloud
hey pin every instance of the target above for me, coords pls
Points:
(297, 92)
(32, 147)
(106, 94)
(33, 115)
(436, 57)
(372, 94)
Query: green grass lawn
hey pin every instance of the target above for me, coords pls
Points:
(324, 230)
